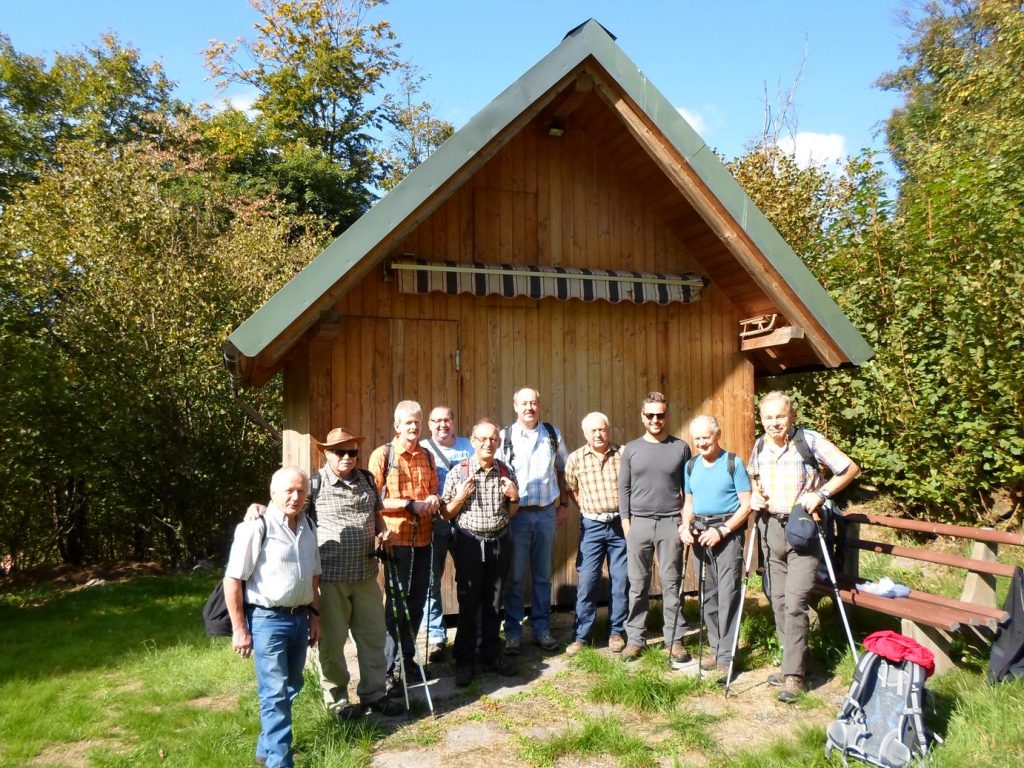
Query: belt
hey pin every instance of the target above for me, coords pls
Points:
(293, 609)
(534, 507)
(485, 537)
(711, 518)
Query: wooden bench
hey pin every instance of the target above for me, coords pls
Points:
(930, 619)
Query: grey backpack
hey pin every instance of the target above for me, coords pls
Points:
(881, 721)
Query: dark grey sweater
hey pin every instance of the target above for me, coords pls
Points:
(651, 478)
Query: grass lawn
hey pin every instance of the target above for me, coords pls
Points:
(121, 674)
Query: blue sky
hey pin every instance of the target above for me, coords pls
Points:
(715, 61)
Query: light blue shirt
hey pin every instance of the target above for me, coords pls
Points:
(535, 465)
(462, 449)
(714, 491)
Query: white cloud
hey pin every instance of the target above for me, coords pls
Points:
(822, 149)
(695, 119)
(242, 101)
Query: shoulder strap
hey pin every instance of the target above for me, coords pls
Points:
(315, 481)
(730, 459)
(263, 536)
(689, 465)
(502, 468)
(438, 453)
(552, 438)
(506, 444)
(800, 441)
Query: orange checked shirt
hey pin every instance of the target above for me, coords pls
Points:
(413, 477)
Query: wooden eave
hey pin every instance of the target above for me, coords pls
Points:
(585, 83)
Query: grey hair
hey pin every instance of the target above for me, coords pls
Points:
(281, 477)
(409, 408)
(592, 417)
(776, 395)
(704, 420)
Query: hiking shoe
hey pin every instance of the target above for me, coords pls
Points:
(386, 706)
(347, 712)
(616, 643)
(679, 654)
(463, 676)
(393, 686)
(775, 681)
(500, 666)
(513, 646)
(574, 647)
(547, 643)
(792, 689)
(260, 759)
(437, 653)
(631, 652)
(708, 661)
(412, 673)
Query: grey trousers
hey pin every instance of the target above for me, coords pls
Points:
(647, 536)
(792, 579)
(723, 569)
(357, 608)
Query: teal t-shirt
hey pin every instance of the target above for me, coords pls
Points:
(713, 490)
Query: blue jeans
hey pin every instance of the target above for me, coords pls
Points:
(533, 540)
(597, 542)
(279, 642)
(444, 542)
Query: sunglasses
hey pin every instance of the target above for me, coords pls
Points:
(655, 416)
(343, 452)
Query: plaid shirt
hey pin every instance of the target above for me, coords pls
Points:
(413, 477)
(594, 478)
(485, 512)
(346, 509)
(782, 474)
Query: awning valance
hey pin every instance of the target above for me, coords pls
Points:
(510, 280)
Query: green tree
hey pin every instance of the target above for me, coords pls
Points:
(416, 132)
(104, 94)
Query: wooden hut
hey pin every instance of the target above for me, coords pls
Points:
(576, 236)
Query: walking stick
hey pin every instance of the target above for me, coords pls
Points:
(700, 593)
(835, 590)
(408, 624)
(739, 612)
(391, 574)
(679, 601)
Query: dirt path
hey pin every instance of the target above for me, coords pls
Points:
(489, 723)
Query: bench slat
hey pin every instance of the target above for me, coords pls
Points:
(900, 607)
(940, 558)
(940, 529)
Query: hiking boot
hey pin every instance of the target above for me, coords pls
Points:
(513, 646)
(463, 676)
(792, 689)
(500, 666)
(574, 647)
(393, 686)
(412, 673)
(679, 654)
(436, 653)
(631, 652)
(547, 643)
(708, 661)
(347, 712)
(616, 643)
(386, 706)
(775, 681)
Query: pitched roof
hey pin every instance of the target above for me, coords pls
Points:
(264, 338)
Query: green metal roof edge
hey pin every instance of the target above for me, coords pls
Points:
(591, 39)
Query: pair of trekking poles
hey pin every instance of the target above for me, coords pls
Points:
(393, 584)
(743, 592)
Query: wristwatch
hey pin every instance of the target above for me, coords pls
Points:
(823, 492)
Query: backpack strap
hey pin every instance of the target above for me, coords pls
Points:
(315, 481)
(436, 452)
(689, 465)
(552, 438)
(506, 444)
(730, 460)
(800, 441)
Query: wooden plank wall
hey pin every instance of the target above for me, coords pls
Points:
(543, 201)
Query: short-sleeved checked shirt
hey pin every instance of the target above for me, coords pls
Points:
(413, 477)
(782, 473)
(594, 478)
(485, 512)
(346, 510)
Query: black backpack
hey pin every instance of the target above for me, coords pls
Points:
(881, 720)
(1006, 659)
(215, 612)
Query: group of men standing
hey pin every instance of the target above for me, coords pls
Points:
(495, 502)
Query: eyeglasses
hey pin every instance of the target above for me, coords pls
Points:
(343, 452)
(655, 416)
(440, 421)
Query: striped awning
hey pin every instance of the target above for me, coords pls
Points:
(510, 280)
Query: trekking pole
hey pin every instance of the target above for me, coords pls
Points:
(391, 579)
(835, 590)
(679, 601)
(739, 612)
(700, 593)
(408, 624)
